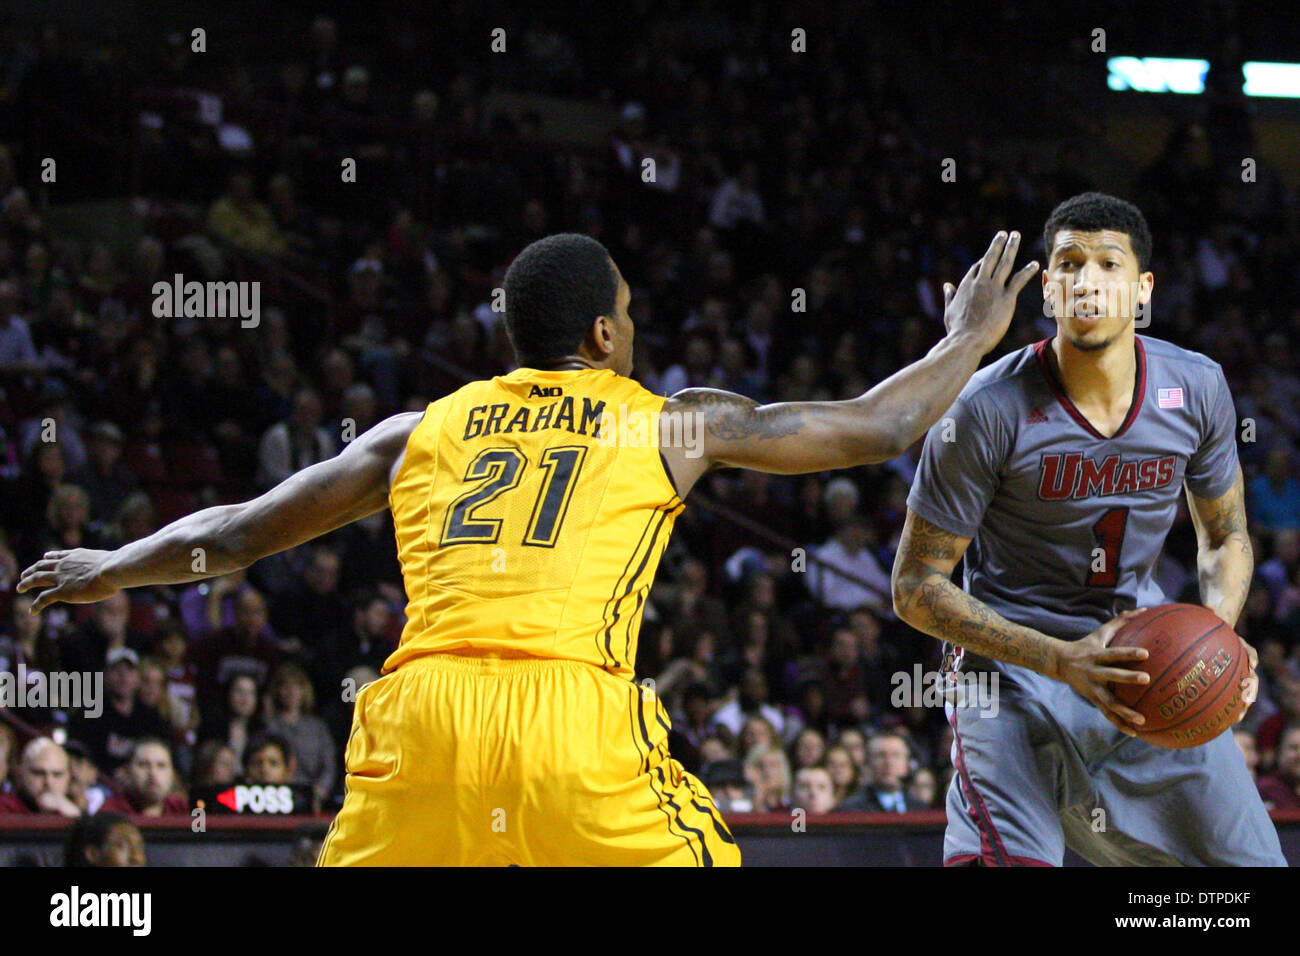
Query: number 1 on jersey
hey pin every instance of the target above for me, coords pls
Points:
(1109, 532)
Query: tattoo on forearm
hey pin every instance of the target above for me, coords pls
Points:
(1225, 561)
(950, 613)
(943, 610)
(733, 417)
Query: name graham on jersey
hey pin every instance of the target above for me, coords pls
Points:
(626, 427)
(1076, 476)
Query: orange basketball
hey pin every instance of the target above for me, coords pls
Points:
(1196, 663)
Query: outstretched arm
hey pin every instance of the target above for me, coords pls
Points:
(219, 540)
(798, 437)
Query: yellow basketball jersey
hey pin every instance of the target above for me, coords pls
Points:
(531, 513)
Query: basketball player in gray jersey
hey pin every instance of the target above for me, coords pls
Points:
(1057, 474)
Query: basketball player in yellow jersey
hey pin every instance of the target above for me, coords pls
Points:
(531, 511)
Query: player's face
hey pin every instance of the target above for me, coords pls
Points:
(1093, 288)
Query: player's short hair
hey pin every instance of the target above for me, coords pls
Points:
(1093, 212)
(554, 290)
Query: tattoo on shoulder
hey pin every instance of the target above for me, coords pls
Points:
(732, 417)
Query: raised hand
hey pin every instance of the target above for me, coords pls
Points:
(982, 305)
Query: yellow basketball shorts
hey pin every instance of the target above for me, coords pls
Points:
(461, 761)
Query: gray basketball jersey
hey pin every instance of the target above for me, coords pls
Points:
(1066, 525)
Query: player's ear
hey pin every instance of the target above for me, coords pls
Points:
(1146, 282)
(602, 335)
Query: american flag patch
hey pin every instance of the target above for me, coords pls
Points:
(1169, 397)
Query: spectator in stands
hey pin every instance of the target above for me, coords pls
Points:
(87, 648)
(236, 721)
(105, 839)
(215, 766)
(24, 639)
(1245, 741)
(110, 736)
(1269, 734)
(154, 692)
(313, 609)
(8, 741)
(844, 773)
(1281, 789)
(41, 784)
(738, 201)
(247, 647)
(923, 788)
(751, 701)
(85, 786)
(757, 734)
(28, 496)
(368, 642)
(1280, 567)
(855, 742)
(768, 771)
(292, 445)
(846, 575)
(808, 749)
(55, 423)
(67, 521)
(18, 355)
(171, 651)
(814, 791)
(135, 519)
(150, 787)
(726, 780)
(846, 680)
(292, 704)
(269, 759)
(106, 479)
(811, 709)
(1275, 495)
(238, 217)
(890, 757)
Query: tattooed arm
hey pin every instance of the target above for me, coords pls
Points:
(1225, 562)
(926, 598)
(791, 438)
(1224, 558)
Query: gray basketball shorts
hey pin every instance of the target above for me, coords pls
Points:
(1044, 770)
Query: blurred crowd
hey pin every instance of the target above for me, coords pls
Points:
(786, 232)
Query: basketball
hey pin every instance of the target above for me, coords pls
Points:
(1196, 664)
